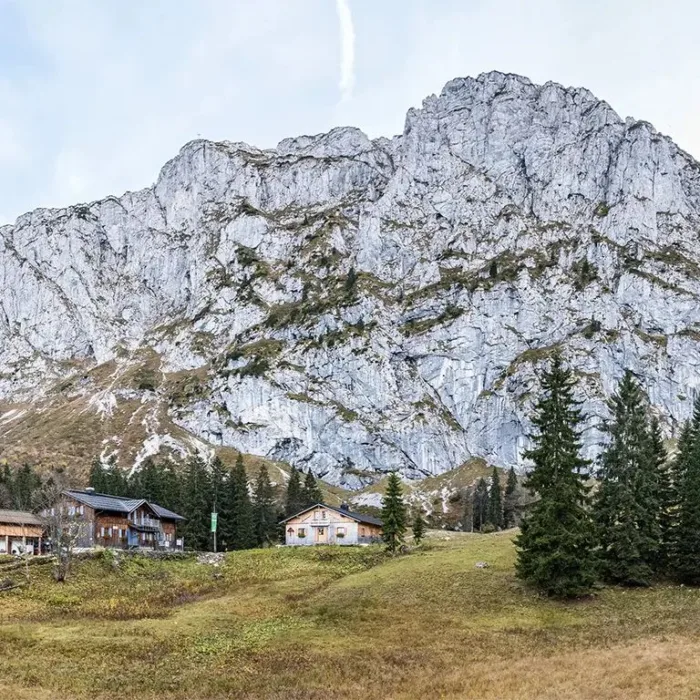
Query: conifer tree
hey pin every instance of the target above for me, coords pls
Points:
(6, 487)
(510, 499)
(146, 482)
(418, 527)
(238, 521)
(394, 516)
(264, 512)
(25, 487)
(170, 488)
(480, 505)
(555, 546)
(295, 499)
(311, 491)
(686, 534)
(196, 504)
(671, 498)
(626, 508)
(495, 507)
(654, 493)
(97, 476)
(468, 517)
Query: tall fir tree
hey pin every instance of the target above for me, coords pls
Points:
(510, 499)
(238, 520)
(555, 545)
(686, 531)
(394, 515)
(196, 504)
(654, 493)
(264, 511)
(626, 507)
(418, 527)
(311, 492)
(295, 498)
(495, 508)
(96, 479)
(480, 505)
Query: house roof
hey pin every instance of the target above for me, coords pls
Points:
(19, 517)
(359, 517)
(119, 504)
(165, 513)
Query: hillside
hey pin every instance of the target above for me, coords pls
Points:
(347, 624)
(355, 306)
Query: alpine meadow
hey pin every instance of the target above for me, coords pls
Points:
(348, 417)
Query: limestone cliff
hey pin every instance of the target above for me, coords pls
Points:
(356, 306)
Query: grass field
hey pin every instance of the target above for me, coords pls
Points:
(341, 623)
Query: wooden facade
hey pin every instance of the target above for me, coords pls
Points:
(20, 532)
(322, 524)
(122, 523)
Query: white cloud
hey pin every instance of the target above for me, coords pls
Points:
(347, 49)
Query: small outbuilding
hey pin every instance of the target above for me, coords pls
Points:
(20, 532)
(324, 524)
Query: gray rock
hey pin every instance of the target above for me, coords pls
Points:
(507, 220)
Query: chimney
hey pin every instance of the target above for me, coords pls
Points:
(89, 489)
(344, 506)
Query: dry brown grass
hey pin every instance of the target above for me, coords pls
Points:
(350, 624)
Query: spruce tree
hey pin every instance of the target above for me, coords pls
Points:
(264, 511)
(311, 492)
(495, 508)
(196, 504)
(394, 516)
(295, 499)
(25, 487)
(480, 505)
(238, 522)
(652, 493)
(418, 527)
(510, 499)
(555, 545)
(625, 508)
(97, 476)
(686, 534)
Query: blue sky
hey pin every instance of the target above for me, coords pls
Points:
(95, 95)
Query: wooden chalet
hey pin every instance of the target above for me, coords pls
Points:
(324, 524)
(123, 523)
(20, 532)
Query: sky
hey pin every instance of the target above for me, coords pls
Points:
(96, 95)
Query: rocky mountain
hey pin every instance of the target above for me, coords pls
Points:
(355, 306)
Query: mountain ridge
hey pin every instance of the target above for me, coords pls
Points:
(353, 305)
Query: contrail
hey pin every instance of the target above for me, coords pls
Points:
(347, 49)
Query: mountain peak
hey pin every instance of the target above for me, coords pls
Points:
(353, 306)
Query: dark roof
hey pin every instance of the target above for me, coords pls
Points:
(360, 517)
(119, 504)
(19, 517)
(165, 513)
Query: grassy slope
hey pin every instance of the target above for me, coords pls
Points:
(326, 623)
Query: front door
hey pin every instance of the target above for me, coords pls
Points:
(322, 535)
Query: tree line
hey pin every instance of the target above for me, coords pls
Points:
(248, 514)
(488, 506)
(630, 519)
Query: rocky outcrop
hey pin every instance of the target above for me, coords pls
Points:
(356, 306)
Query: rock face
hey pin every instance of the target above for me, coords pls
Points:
(356, 306)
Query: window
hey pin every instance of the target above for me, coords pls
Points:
(301, 532)
(102, 532)
(362, 532)
(340, 532)
(321, 531)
